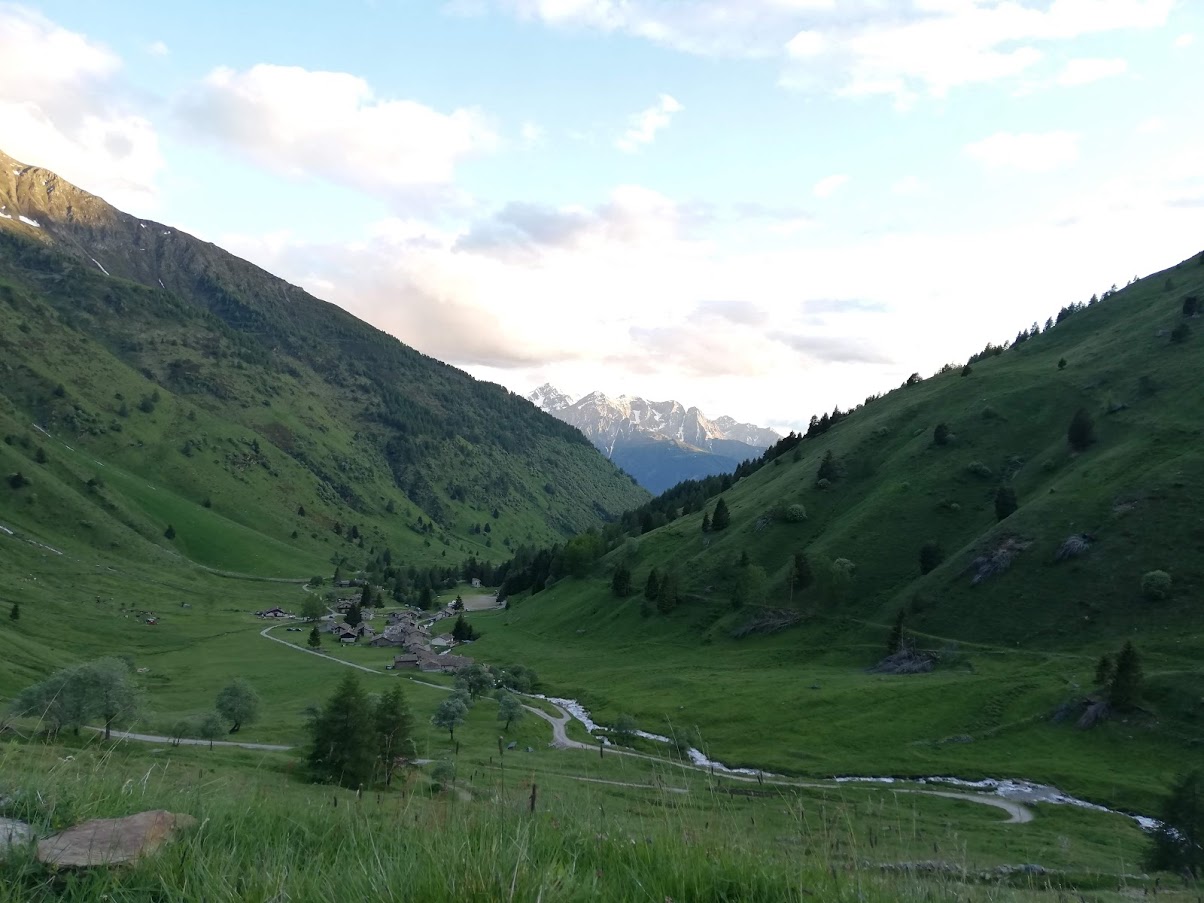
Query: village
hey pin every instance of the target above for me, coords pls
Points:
(409, 630)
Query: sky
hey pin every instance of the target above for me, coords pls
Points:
(765, 208)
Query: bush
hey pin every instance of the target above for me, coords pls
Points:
(989, 413)
(1156, 585)
(1180, 333)
(17, 480)
(1005, 502)
(1191, 306)
(823, 483)
(794, 514)
(1081, 432)
(978, 469)
(940, 435)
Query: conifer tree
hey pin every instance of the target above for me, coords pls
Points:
(1005, 502)
(14, 613)
(666, 599)
(394, 728)
(828, 468)
(652, 589)
(895, 642)
(1126, 682)
(800, 573)
(315, 638)
(354, 616)
(1177, 844)
(1081, 432)
(706, 522)
(620, 584)
(1105, 670)
(722, 517)
(343, 738)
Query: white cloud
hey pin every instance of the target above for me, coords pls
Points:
(1085, 71)
(902, 49)
(1184, 41)
(332, 126)
(1034, 152)
(62, 106)
(829, 185)
(158, 48)
(1151, 125)
(644, 125)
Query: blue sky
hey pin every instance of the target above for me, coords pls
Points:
(765, 208)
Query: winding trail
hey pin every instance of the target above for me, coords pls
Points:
(187, 741)
(1018, 813)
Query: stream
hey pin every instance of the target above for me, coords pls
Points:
(1016, 790)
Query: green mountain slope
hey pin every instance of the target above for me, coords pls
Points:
(1029, 629)
(167, 382)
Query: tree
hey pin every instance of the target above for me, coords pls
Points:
(829, 469)
(895, 642)
(462, 631)
(238, 703)
(1126, 682)
(343, 738)
(722, 517)
(450, 715)
(801, 572)
(652, 588)
(1105, 670)
(1062, 363)
(1081, 432)
(624, 730)
(312, 608)
(14, 613)
(210, 727)
(111, 692)
(1005, 502)
(170, 532)
(666, 599)
(354, 616)
(706, 522)
(620, 583)
(394, 727)
(315, 638)
(366, 596)
(509, 709)
(475, 681)
(930, 557)
(1191, 305)
(1156, 585)
(1177, 844)
(749, 586)
(1180, 333)
(40, 455)
(940, 435)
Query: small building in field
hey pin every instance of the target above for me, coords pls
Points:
(407, 660)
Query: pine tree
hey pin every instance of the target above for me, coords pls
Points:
(895, 642)
(354, 616)
(394, 728)
(1105, 670)
(343, 739)
(366, 596)
(652, 589)
(15, 612)
(828, 468)
(722, 517)
(1177, 844)
(800, 572)
(1081, 432)
(666, 599)
(315, 638)
(930, 557)
(620, 584)
(1126, 682)
(170, 532)
(706, 522)
(940, 435)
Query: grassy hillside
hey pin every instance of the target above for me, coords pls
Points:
(1014, 645)
(270, 429)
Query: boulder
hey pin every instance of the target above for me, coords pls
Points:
(13, 833)
(112, 841)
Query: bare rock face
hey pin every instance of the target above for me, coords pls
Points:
(112, 841)
(13, 833)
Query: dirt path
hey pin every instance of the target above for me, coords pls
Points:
(186, 741)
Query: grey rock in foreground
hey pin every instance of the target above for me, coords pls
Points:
(13, 833)
(112, 841)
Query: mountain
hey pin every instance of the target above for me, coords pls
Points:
(659, 443)
(1021, 515)
(167, 382)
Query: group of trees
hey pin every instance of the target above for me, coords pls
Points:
(355, 737)
(1119, 678)
(472, 683)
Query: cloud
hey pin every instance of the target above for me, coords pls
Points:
(842, 306)
(829, 185)
(909, 186)
(1184, 41)
(835, 349)
(904, 49)
(744, 313)
(332, 126)
(645, 125)
(63, 106)
(1085, 71)
(1033, 152)
(158, 48)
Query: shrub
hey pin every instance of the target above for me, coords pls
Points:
(1062, 363)
(978, 469)
(940, 435)
(967, 370)
(17, 480)
(823, 483)
(1180, 333)
(790, 514)
(1191, 305)
(1081, 432)
(1155, 585)
(989, 413)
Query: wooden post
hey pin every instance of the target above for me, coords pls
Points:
(534, 790)
(601, 746)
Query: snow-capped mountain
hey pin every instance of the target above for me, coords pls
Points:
(660, 443)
